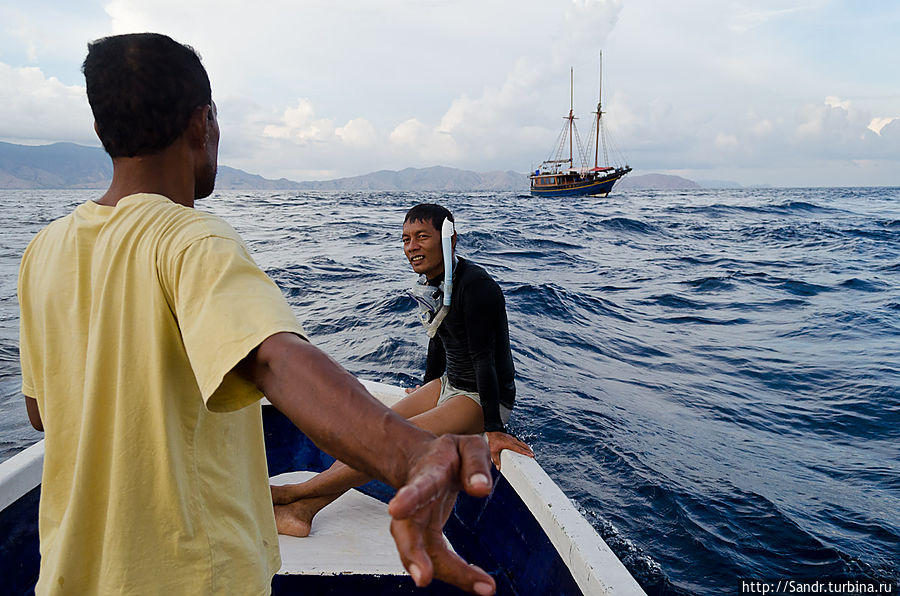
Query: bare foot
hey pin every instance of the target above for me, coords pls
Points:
(285, 493)
(295, 518)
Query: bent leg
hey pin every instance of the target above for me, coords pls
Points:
(457, 415)
(339, 477)
(421, 400)
(296, 505)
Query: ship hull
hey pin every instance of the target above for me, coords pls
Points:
(575, 186)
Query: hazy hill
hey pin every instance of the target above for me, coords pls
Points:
(61, 165)
(433, 178)
(655, 182)
(66, 165)
(234, 179)
(719, 184)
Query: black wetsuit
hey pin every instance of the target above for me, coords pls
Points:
(472, 343)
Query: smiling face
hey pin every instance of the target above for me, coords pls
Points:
(422, 247)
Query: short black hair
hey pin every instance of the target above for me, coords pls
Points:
(434, 214)
(143, 88)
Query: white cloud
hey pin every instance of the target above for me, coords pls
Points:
(300, 125)
(459, 69)
(358, 132)
(424, 145)
(836, 102)
(834, 122)
(130, 16)
(34, 107)
(410, 133)
(877, 124)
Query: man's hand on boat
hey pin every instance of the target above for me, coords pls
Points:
(421, 508)
(333, 409)
(498, 441)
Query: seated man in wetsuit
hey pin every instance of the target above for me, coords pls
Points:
(469, 384)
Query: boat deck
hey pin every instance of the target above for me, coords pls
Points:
(350, 536)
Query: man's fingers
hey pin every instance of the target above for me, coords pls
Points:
(471, 473)
(421, 507)
(451, 568)
(410, 545)
(421, 489)
(438, 561)
(475, 471)
(406, 502)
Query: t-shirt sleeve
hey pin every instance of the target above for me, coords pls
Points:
(26, 326)
(225, 306)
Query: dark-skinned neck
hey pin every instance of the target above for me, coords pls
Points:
(169, 173)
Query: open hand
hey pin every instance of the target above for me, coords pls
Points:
(421, 508)
(498, 441)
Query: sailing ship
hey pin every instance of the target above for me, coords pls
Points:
(558, 176)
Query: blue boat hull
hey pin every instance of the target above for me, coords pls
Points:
(20, 555)
(579, 188)
(497, 533)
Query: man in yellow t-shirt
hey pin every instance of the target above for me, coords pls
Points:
(148, 335)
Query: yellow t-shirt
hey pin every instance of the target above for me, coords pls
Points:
(155, 477)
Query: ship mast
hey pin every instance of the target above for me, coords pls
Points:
(599, 112)
(571, 112)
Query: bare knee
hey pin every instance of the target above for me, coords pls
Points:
(458, 415)
(419, 401)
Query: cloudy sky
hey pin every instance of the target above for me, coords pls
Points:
(788, 93)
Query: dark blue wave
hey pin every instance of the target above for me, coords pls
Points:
(625, 224)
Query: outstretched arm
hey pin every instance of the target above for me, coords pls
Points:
(339, 415)
(326, 402)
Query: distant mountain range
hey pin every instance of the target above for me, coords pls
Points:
(655, 182)
(66, 165)
(433, 178)
(61, 165)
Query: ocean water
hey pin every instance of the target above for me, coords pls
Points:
(713, 377)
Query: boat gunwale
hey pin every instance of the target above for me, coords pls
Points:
(21, 473)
